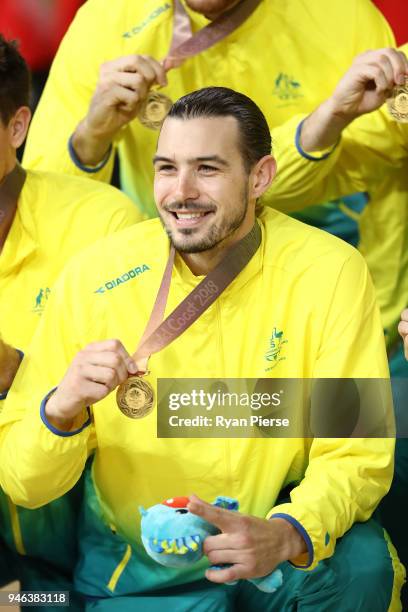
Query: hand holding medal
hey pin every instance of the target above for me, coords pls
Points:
(185, 44)
(124, 89)
(92, 375)
(121, 91)
(104, 366)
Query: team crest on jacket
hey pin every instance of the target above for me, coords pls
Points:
(287, 88)
(41, 299)
(277, 343)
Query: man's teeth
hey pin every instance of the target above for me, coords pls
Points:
(189, 215)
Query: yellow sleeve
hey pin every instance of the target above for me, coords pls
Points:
(302, 182)
(68, 92)
(376, 142)
(37, 465)
(346, 477)
(371, 150)
(113, 210)
(299, 178)
(374, 145)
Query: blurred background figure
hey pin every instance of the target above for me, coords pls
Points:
(396, 13)
(39, 26)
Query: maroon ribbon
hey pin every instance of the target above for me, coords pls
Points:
(185, 44)
(158, 333)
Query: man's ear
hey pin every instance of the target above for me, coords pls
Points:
(18, 126)
(262, 176)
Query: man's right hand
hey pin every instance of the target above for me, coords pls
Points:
(369, 82)
(94, 373)
(363, 89)
(122, 87)
(403, 330)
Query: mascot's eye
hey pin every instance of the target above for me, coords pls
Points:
(182, 511)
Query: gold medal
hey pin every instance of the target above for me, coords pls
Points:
(135, 397)
(398, 103)
(154, 110)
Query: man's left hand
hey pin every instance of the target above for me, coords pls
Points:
(369, 82)
(363, 89)
(253, 546)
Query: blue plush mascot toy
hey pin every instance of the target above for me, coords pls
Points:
(174, 537)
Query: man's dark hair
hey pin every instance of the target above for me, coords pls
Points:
(14, 80)
(255, 137)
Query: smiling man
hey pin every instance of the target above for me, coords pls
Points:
(213, 161)
(189, 190)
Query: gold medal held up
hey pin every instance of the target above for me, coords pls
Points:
(398, 103)
(135, 397)
(154, 110)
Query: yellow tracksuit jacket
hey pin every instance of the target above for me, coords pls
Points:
(372, 157)
(312, 288)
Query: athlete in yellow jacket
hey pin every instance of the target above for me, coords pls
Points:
(305, 290)
(52, 218)
(286, 56)
(371, 155)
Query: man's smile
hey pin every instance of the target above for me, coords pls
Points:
(190, 218)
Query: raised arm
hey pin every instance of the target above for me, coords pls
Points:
(345, 145)
(93, 91)
(363, 89)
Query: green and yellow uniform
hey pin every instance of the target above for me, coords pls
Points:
(308, 49)
(371, 156)
(336, 481)
(56, 217)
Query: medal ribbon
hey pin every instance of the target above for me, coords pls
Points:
(158, 333)
(185, 44)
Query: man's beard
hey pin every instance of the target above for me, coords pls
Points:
(216, 233)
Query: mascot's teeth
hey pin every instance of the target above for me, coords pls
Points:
(180, 546)
(191, 544)
(171, 548)
(155, 546)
